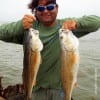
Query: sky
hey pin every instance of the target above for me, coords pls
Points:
(13, 10)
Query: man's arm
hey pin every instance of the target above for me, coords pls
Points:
(81, 26)
(12, 32)
(86, 24)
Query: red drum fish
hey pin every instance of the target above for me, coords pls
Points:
(69, 61)
(32, 60)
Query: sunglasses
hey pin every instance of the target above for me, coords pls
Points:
(48, 7)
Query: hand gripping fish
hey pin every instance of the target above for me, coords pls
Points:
(69, 61)
(32, 61)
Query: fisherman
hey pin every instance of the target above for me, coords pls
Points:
(48, 86)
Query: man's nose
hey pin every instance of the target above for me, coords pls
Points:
(45, 10)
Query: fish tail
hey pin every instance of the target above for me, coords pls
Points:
(68, 87)
(27, 95)
(27, 98)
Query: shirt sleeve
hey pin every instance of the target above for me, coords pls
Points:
(12, 32)
(85, 24)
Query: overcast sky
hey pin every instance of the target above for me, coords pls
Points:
(13, 10)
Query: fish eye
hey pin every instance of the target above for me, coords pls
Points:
(61, 30)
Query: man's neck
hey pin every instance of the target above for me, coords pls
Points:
(49, 24)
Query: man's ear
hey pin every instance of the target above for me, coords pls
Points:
(57, 7)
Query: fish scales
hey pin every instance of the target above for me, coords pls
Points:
(69, 61)
(32, 61)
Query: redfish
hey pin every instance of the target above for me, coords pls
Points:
(32, 60)
(69, 61)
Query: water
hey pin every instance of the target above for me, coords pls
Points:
(89, 71)
(11, 59)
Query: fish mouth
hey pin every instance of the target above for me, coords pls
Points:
(35, 50)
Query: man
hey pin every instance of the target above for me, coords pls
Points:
(48, 85)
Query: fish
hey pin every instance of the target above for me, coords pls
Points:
(31, 62)
(69, 58)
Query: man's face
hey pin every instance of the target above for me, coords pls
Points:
(46, 16)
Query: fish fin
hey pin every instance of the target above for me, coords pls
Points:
(34, 83)
(75, 84)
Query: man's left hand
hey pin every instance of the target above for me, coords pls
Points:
(69, 24)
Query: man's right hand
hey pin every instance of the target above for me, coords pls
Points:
(27, 21)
